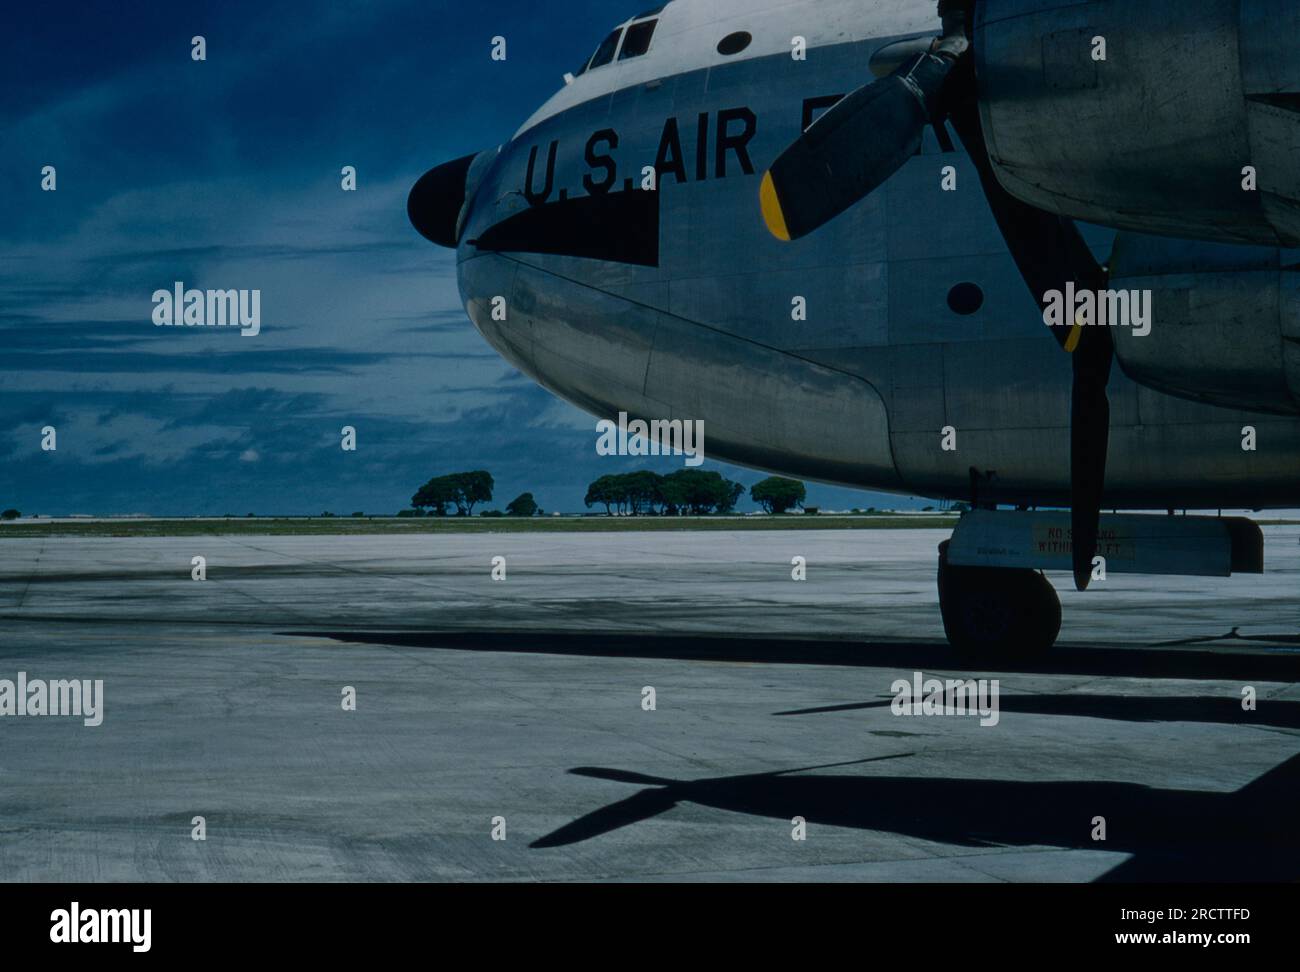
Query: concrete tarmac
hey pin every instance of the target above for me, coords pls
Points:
(520, 701)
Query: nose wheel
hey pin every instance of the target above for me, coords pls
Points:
(992, 612)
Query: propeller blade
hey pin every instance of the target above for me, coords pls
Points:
(1089, 441)
(634, 809)
(852, 149)
(1050, 251)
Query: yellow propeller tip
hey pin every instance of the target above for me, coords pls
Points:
(1074, 337)
(772, 214)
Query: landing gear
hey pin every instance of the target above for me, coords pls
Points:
(997, 612)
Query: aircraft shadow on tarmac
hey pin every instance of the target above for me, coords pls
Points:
(1131, 661)
(1124, 708)
(1172, 835)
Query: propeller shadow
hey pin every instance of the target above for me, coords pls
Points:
(1173, 835)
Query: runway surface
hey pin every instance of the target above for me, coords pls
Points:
(522, 699)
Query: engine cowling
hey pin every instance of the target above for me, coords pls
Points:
(1225, 322)
(1156, 137)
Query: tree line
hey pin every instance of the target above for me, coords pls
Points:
(462, 492)
(687, 492)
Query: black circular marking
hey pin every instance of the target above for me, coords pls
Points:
(735, 43)
(965, 299)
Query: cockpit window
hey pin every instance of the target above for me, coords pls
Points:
(637, 41)
(605, 52)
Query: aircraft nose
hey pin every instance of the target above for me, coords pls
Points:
(435, 201)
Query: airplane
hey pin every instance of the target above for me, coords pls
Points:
(1035, 257)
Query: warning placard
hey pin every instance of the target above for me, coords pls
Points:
(1055, 540)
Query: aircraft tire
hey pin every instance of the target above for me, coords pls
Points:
(992, 612)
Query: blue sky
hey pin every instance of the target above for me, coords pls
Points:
(225, 173)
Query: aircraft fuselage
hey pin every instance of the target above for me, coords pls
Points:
(896, 348)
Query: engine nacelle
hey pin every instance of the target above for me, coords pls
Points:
(1225, 325)
(1158, 136)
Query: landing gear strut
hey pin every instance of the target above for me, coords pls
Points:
(995, 612)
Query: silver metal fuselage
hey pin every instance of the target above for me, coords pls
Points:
(680, 304)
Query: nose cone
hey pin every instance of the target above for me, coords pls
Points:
(436, 199)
